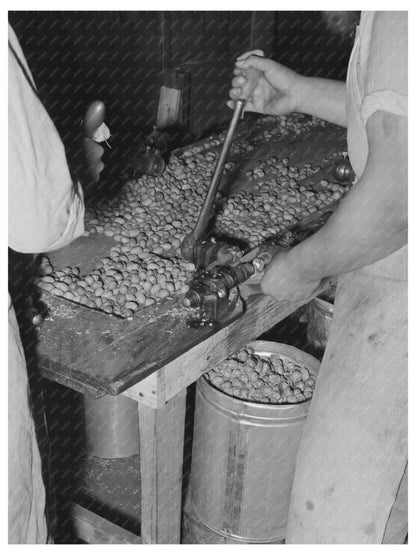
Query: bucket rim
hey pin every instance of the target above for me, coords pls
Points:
(273, 347)
(255, 403)
(251, 409)
(266, 348)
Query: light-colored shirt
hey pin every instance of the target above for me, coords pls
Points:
(46, 212)
(46, 209)
(377, 80)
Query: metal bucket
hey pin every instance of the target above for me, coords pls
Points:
(243, 458)
(112, 427)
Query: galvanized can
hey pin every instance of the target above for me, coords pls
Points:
(243, 458)
(111, 426)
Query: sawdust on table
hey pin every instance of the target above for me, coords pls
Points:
(60, 310)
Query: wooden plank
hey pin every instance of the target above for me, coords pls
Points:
(173, 108)
(149, 391)
(55, 372)
(169, 105)
(179, 80)
(161, 460)
(94, 529)
(112, 354)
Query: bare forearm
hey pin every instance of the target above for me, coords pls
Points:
(358, 234)
(323, 98)
(371, 221)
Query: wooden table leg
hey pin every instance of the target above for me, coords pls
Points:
(161, 460)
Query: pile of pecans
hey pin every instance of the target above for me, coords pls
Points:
(263, 379)
(151, 216)
(119, 284)
(279, 201)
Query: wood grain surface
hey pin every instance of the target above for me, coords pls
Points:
(96, 353)
(99, 354)
(93, 529)
(161, 459)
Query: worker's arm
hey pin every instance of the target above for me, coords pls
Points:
(323, 98)
(275, 89)
(46, 208)
(370, 223)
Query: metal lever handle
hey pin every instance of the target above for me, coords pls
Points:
(205, 214)
(188, 244)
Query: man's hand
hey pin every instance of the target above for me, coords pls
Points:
(92, 164)
(273, 87)
(87, 154)
(91, 149)
(284, 282)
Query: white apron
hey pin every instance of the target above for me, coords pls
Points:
(353, 454)
(46, 212)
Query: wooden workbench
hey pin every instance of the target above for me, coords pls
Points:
(152, 359)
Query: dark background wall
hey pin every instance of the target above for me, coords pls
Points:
(123, 58)
(316, 43)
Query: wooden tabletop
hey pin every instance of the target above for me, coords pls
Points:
(98, 354)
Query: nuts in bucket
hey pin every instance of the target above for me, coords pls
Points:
(260, 378)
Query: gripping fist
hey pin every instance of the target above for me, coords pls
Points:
(284, 281)
(269, 87)
(84, 152)
(94, 131)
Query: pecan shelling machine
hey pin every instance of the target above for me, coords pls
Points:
(222, 267)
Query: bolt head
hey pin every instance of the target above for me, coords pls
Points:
(37, 319)
(258, 265)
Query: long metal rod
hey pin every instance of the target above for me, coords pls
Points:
(205, 213)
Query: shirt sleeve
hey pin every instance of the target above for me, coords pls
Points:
(386, 77)
(46, 208)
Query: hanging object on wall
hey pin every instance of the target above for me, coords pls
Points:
(173, 108)
(169, 107)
